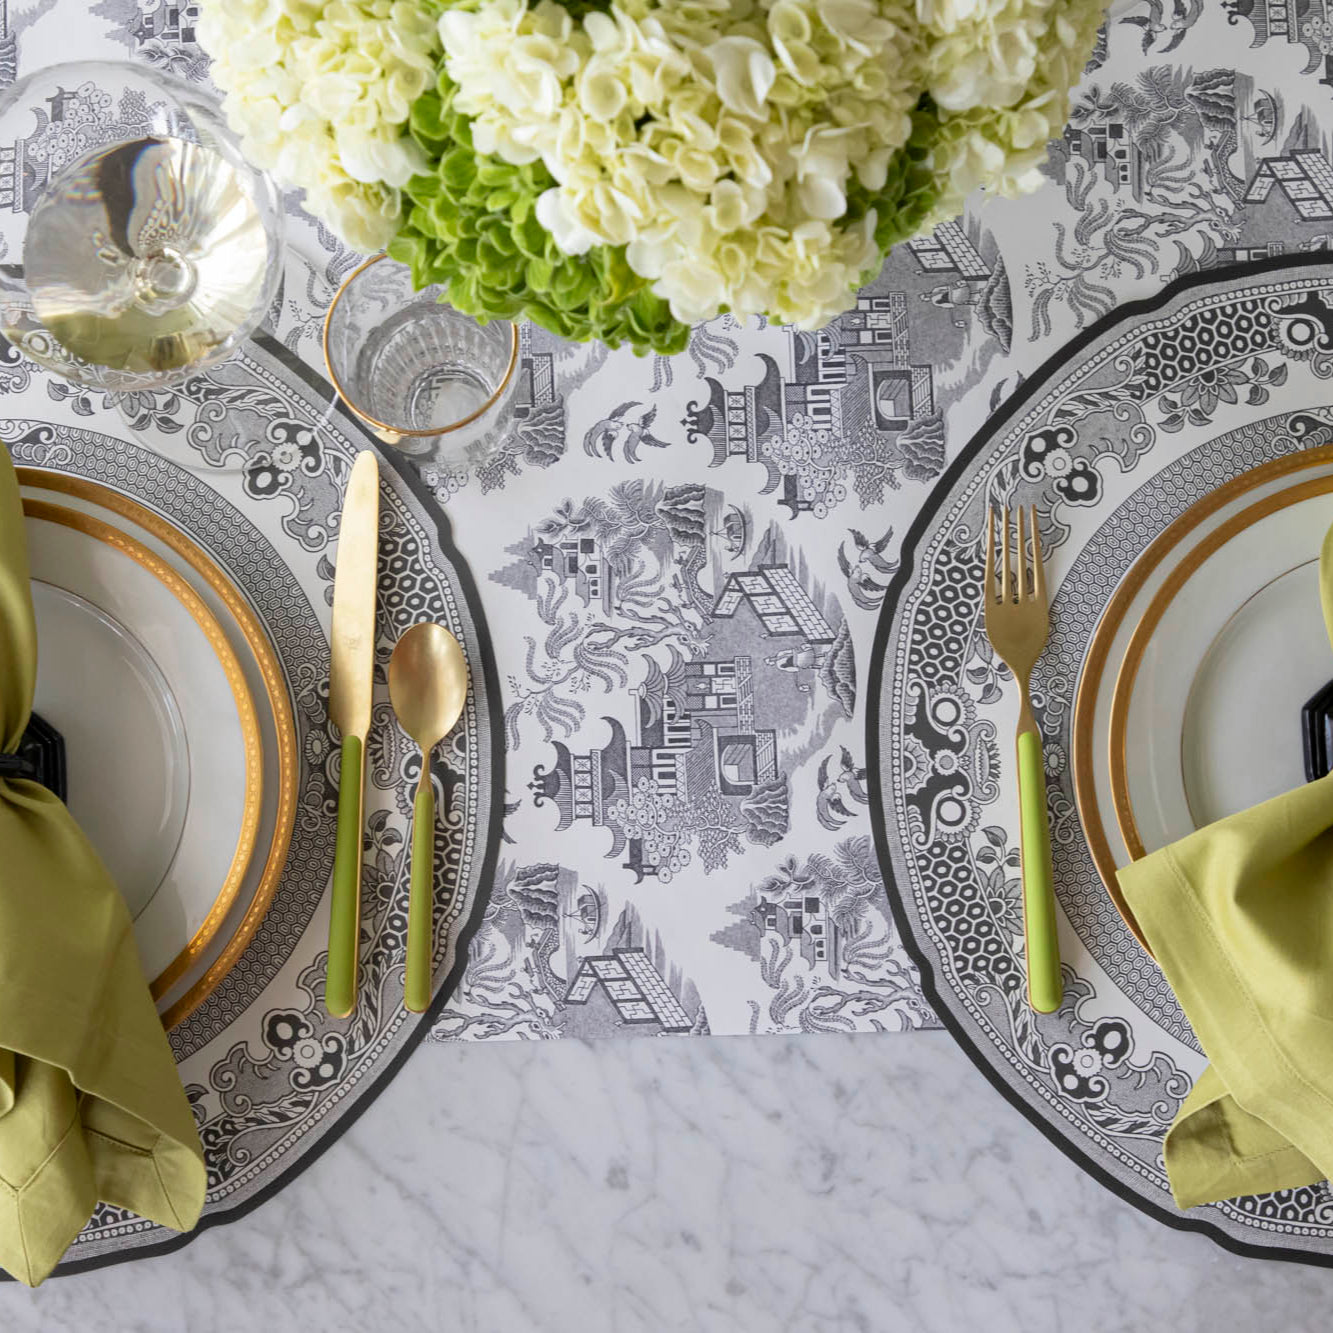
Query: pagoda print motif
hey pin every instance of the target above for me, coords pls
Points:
(1174, 169)
(700, 773)
(1304, 23)
(823, 947)
(75, 120)
(855, 409)
(844, 416)
(802, 921)
(695, 767)
(549, 961)
(158, 32)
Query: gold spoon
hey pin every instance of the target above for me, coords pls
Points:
(427, 684)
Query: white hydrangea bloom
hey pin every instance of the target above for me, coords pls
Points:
(718, 139)
(320, 94)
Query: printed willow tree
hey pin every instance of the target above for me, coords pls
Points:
(504, 992)
(612, 577)
(859, 979)
(1176, 192)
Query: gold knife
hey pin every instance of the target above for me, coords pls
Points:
(351, 677)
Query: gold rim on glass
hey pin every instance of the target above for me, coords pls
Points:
(1099, 649)
(403, 431)
(275, 687)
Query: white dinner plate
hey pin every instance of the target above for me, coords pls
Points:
(161, 734)
(178, 729)
(1189, 709)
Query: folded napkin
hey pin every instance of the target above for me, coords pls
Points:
(1240, 918)
(91, 1106)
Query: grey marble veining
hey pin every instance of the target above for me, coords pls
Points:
(835, 1185)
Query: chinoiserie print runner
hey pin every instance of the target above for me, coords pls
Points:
(681, 562)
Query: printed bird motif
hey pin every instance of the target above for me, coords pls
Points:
(625, 430)
(869, 573)
(998, 395)
(847, 784)
(1184, 13)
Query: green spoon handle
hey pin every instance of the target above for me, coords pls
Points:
(420, 903)
(345, 916)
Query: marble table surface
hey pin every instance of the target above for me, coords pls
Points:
(817, 1185)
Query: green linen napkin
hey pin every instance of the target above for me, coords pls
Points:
(1240, 918)
(91, 1106)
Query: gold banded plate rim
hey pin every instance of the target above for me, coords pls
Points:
(1087, 765)
(277, 699)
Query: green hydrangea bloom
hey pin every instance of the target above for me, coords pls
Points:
(912, 190)
(470, 226)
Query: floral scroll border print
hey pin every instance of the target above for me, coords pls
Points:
(270, 1077)
(1099, 1077)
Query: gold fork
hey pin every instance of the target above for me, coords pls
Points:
(1017, 623)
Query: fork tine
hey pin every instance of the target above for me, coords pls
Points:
(990, 553)
(1004, 544)
(1038, 569)
(1022, 554)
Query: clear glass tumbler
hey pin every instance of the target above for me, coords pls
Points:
(426, 379)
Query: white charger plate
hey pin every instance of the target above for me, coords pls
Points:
(1189, 705)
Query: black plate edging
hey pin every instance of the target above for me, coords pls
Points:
(467, 930)
(1039, 379)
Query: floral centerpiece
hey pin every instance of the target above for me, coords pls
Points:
(624, 170)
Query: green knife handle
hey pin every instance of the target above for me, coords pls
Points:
(421, 901)
(1045, 987)
(345, 917)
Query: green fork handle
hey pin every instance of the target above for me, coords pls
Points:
(345, 916)
(1045, 988)
(421, 900)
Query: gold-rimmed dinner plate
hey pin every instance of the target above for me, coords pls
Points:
(179, 734)
(1189, 704)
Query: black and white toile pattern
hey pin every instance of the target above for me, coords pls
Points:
(250, 461)
(1152, 410)
(682, 636)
